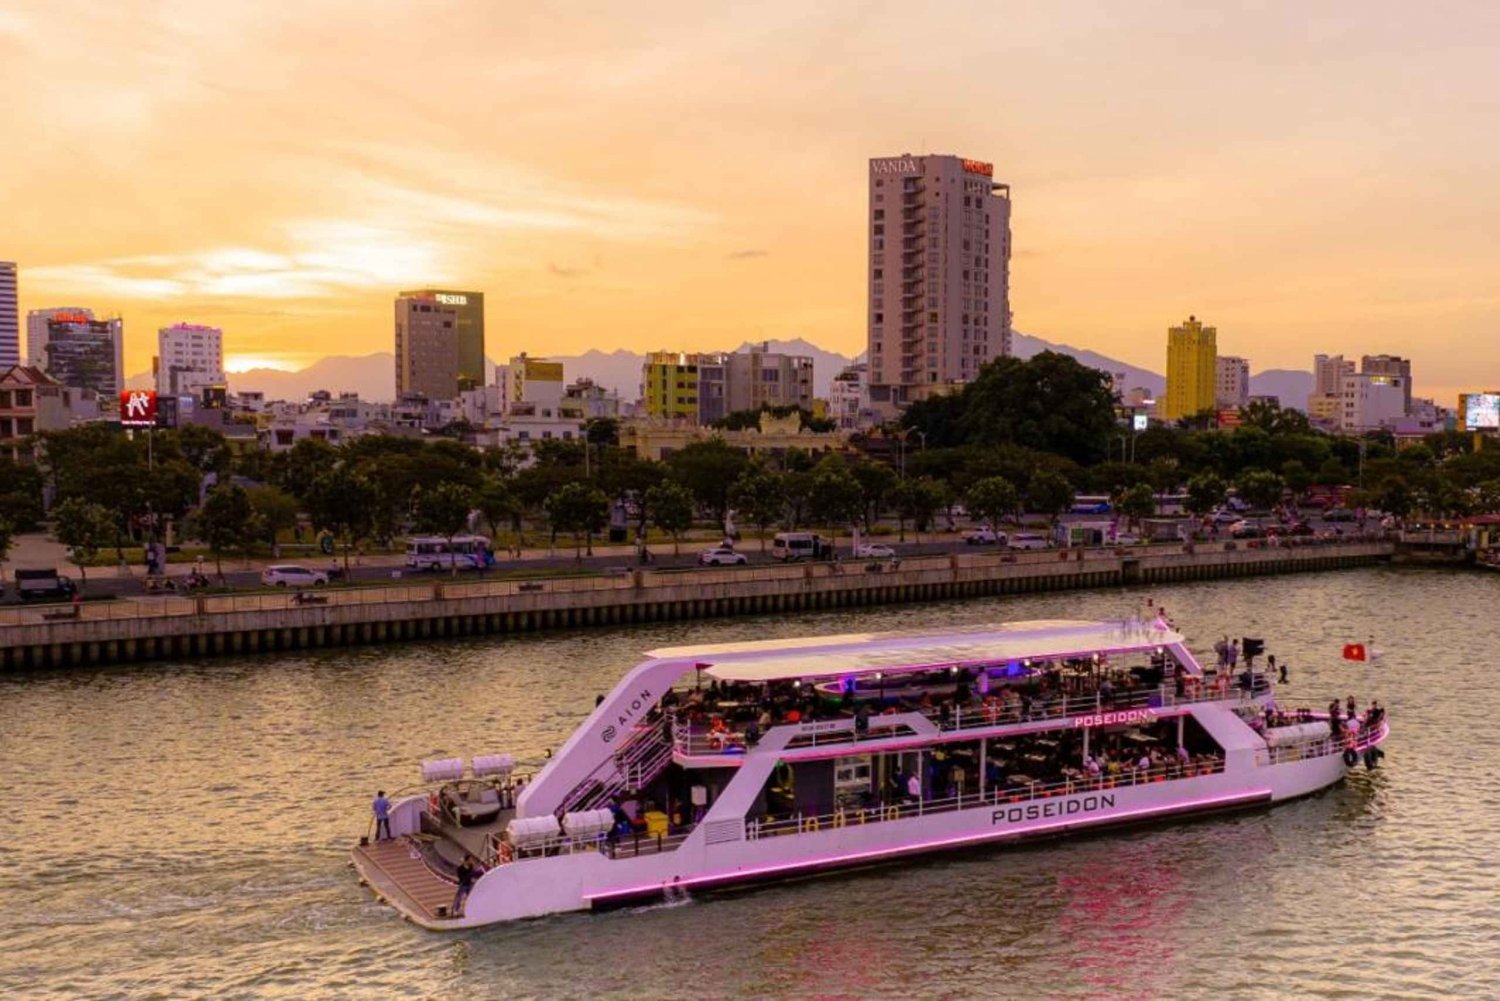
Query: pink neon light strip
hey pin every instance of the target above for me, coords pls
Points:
(1246, 797)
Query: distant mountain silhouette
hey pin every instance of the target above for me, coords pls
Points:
(372, 376)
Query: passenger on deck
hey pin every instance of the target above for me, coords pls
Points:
(381, 808)
(465, 875)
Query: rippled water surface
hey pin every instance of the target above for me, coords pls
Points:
(182, 830)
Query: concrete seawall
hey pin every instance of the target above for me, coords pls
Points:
(148, 629)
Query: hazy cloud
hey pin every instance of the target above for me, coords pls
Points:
(562, 272)
(745, 255)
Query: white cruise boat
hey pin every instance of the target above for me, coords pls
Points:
(709, 766)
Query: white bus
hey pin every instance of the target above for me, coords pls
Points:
(434, 552)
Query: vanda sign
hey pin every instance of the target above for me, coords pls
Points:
(899, 165)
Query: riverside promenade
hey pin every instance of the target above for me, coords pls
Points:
(169, 628)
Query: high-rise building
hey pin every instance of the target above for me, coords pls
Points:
(468, 312)
(1394, 367)
(77, 350)
(1191, 352)
(1328, 374)
(939, 274)
(1231, 382)
(188, 357)
(763, 378)
(426, 348)
(10, 316)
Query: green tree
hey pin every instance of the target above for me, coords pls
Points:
(708, 469)
(1260, 489)
(224, 522)
(992, 500)
(1296, 477)
(85, 528)
(602, 431)
(275, 510)
(1395, 497)
(835, 496)
(671, 508)
(1049, 493)
(1048, 402)
(1137, 502)
(876, 481)
(444, 510)
(498, 505)
(7, 539)
(308, 459)
(918, 500)
(759, 495)
(580, 509)
(1205, 492)
(343, 502)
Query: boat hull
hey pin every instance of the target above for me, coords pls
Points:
(725, 852)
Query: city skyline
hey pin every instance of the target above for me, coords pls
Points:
(1347, 216)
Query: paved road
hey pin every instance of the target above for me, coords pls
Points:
(383, 567)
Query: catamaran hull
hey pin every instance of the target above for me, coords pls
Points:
(720, 854)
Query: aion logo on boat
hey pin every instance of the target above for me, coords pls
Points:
(626, 714)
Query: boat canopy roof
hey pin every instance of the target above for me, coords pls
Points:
(864, 653)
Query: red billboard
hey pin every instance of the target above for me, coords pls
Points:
(138, 408)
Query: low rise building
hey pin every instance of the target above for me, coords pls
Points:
(31, 401)
(1370, 402)
(657, 439)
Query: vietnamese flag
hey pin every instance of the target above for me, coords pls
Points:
(1355, 651)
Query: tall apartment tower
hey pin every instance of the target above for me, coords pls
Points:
(1232, 382)
(426, 348)
(10, 317)
(1192, 350)
(188, 357)
(468, 312)
(939, 275)
(1395, 368)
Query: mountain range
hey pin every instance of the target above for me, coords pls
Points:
(372, 376)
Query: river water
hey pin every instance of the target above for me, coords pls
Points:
(182, 829)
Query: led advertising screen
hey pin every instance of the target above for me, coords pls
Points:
(1482, 412)
(1140, 422)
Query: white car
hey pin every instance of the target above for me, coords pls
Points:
(720, 556)
(874, 551)
(1028, 540)
(984, 537)
(287, 575)
(1225, 516)
(1126, 539)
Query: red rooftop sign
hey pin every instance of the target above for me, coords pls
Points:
(138, 408)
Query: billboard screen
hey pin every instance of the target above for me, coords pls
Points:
(1140, 422)
(138, 408)
(1482, 412)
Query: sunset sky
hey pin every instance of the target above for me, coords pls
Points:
(1307, 176)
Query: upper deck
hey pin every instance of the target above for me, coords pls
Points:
(893, 653)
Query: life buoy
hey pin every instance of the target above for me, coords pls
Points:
(1351, 756)
(432, 803)
(506, 853)
(893, 812)
(839, 820)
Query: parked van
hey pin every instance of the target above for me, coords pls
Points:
(1028, 540)
(42, 585)
(789, 546)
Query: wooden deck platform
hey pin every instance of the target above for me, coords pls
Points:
(405, 882)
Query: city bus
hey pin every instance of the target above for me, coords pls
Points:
(434, 552)
(1090, 504)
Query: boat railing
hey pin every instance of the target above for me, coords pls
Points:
(629, 767)
(499, 851)
(1000, 795)
(1319, 747)
(691, 739)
